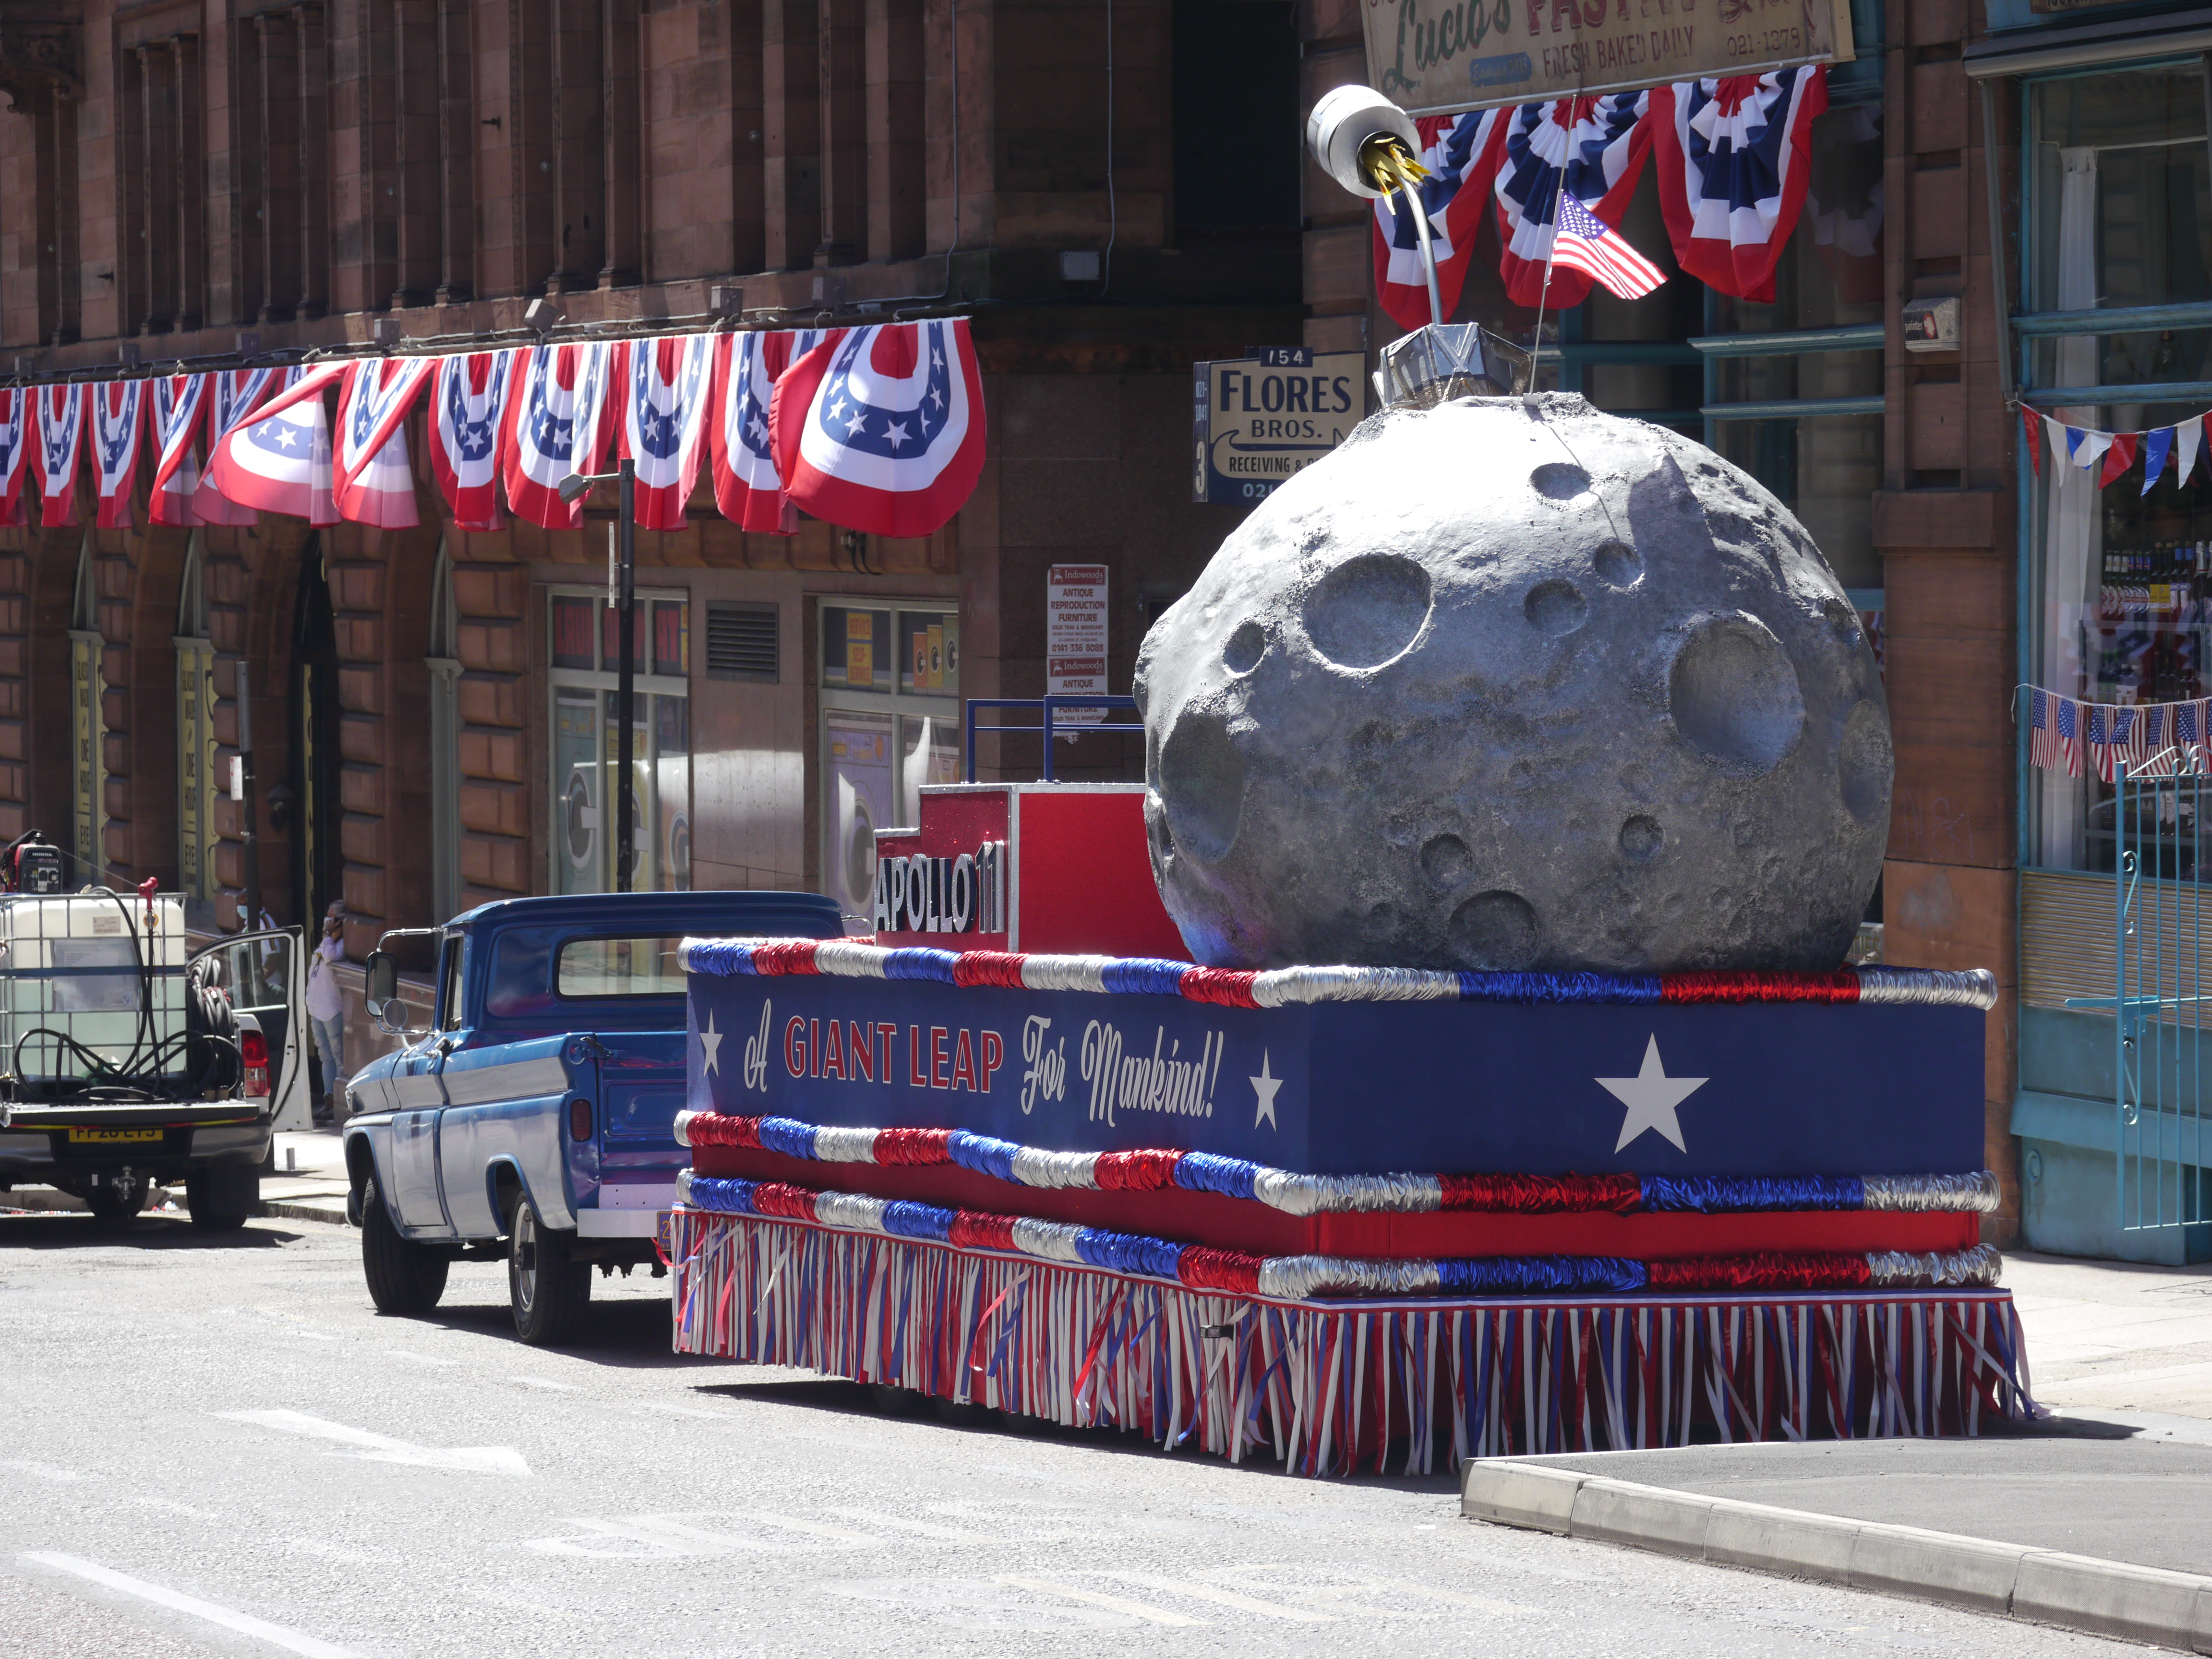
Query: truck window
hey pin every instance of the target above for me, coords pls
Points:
(449, 984)
(619, 968)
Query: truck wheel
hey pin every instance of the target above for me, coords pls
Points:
(222, 1196)
(550, 1291)
(116, 1202)
(404, 1277)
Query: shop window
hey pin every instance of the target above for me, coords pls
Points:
(890, 724)
(87, 725)
(2120, 216)
(445, 668)
(196, 741)
(584, 646)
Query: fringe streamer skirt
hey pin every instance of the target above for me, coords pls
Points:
(1329, 1387)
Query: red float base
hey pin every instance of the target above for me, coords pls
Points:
(1326, 1387)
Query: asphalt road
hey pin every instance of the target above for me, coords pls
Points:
(220, 1448)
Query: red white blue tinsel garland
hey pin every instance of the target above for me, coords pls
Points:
(1153, 1170)
(1325, 1387)
(1283, 987)
(1205, 1267)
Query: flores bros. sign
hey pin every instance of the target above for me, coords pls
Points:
(1437, 55)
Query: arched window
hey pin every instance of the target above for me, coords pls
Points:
(195, 743)
(445, 666)
(88, 726)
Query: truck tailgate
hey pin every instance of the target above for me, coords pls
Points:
(627, 1173)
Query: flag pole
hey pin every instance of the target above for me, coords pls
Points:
(1536, 342)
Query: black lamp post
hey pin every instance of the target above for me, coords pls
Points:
(625, 478)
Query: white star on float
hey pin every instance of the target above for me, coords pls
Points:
(935, 396)
(756, 427)
(857, 422)
(710, 1044)
(1651, 1096)
(1264, 1087)
(898, 434)
(288, 437)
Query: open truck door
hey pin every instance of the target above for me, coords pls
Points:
(267, 974)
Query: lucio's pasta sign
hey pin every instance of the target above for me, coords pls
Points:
(1437, 55)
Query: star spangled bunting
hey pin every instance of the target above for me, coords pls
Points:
(118, 429)
(1590, 148)
(1461, 154)
(1585, 243)
(16, 436)
(373, 479)
(468, 403)
(1733, 163)
(666, 387)
(883, 430)
(747, 487)
(555, 425)
(279, 459)
(178, 406)
(232, 395)
(60, 420)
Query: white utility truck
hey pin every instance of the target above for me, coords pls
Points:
(126, 1061)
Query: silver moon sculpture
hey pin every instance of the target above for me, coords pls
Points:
(1514, 684)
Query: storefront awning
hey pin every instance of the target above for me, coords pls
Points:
(2083, 46)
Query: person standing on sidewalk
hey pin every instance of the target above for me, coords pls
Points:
(326, 1009)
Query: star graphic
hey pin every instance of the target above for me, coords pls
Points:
(935, 396)
(288, 437)
(857, 422)
(1264, 1087)
(756, 428)
(898, 434)
(710, 1044)
(1651, 1096)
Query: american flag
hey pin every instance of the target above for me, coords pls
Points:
(1583, 242)
(2044, 748)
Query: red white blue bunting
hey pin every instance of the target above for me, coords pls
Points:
(1590, 148)
(374, 482)
(233, 397)
(1734, 161)
(882, 430)
(1734, 165)
(2151, 739)
(1300, 1278)
(118, 429)
(1324, 1386)
(177, 413)
(277, 460)
(885, 435)
(1279, 987)
(556, 426)
(667, 384)
(2108, 456)
(60, 418)
(15, 438)
(468, 407)
(1461, 154)
(748, 488)
(1155, 1170)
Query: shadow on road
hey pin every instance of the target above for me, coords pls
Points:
(66, 1229)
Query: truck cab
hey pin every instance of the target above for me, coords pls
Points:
(533, 1119)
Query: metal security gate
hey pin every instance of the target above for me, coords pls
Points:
(2160, 837)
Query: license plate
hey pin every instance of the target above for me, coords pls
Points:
(112, 1137)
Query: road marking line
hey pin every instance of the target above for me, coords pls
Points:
(899, 1523)
(44, 1471)
(291, 1641)
(1227, 1598)
(546, 1383)
(1133, 1609)
(383, 1448)
(667, 1410)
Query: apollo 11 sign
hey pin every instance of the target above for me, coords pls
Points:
(1437, 56)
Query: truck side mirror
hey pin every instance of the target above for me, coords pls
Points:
(379, 992)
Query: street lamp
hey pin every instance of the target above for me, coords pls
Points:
(625, 603)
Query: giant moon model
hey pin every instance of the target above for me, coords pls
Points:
(1511, 683)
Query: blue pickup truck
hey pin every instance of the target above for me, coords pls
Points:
(533, 1119)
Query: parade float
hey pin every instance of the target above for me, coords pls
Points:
(1445, 1052)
